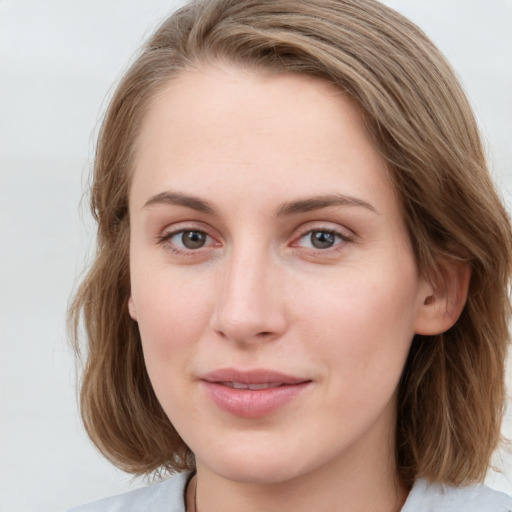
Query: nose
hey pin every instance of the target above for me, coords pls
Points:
(250, 303)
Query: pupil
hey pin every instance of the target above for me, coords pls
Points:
(322, 239)
(193, 239)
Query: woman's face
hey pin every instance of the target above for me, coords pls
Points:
(271, 275)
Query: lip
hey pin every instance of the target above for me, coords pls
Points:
(273, 390)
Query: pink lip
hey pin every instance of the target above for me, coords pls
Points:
(252, 403)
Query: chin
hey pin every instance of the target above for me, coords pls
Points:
(257, 464)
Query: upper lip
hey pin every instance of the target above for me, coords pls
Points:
(256, 376)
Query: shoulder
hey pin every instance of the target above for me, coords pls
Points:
(429, 497)
(166, 496)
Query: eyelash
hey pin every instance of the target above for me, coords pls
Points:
(166, 238)
(342, 239)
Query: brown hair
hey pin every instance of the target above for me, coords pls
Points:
(452, 391)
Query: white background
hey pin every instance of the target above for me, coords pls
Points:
(58, 61)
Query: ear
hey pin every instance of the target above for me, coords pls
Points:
(444, 301)
(131, 308)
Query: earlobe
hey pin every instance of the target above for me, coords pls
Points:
(444, 301)
(131, 309)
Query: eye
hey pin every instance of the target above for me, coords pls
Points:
(190, 239)
(321, 239)
(186, 240)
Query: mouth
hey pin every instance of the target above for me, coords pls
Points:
(252, 387)
(251, 394)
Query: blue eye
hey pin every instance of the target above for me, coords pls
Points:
(321, 239)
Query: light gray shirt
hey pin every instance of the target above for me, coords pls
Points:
(168, 496)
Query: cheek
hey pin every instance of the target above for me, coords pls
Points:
(172, 315)
(171, 320)
(365, 324)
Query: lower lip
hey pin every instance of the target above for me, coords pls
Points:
(249, 403)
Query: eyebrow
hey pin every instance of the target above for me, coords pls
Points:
(318, 202)
(179, 199)
(288, 208)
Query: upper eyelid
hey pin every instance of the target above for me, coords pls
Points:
(343, 237)
(331, 227)
(167, 235)
(178, 227)
(322, 228)
(176, 231)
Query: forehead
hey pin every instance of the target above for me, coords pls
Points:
(253, 132)
(244, 102)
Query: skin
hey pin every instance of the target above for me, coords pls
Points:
(259, 294)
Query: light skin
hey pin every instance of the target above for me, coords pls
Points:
(265, 234)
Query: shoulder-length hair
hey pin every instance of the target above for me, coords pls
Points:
(452, 393)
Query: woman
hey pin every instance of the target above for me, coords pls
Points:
(299, 299)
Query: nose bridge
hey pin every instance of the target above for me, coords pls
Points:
(249, 306)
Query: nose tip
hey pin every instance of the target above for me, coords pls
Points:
(249, 307)
(245, 327)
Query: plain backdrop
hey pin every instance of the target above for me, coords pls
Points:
(58, 61)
